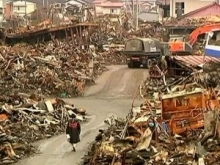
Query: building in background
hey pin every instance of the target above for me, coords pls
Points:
(1, 10)
(107, 7)
(209, 11)
(76, 2)
(8, 10)
(165, 5)
(181, 7)
(17, 8)
(20, 9)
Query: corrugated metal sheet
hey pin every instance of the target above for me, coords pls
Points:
(213, 9)
(194, 60)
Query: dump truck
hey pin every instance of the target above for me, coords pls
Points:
(142, 51)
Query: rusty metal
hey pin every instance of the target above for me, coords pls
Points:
(155, 72)
(183, 111)
(186, 65)
(194, 60)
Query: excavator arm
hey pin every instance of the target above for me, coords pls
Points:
(201, 30)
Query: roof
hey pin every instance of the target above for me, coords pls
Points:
(193, 60)
(143, 39)
(104, 1)
(97, 1)
(110, 4)
(76, 1)
(40, 3)
(212, 9)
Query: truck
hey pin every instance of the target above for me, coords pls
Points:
(143, 51)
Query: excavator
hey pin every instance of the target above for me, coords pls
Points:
(183, 45)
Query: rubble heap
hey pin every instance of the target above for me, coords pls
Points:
(197, 21)
(55, 68)
(154, 135)
(111, 58)
(177, 124)
(160, 82)
(25, 119)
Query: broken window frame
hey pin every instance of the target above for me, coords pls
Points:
(113, 11)
(181, 5)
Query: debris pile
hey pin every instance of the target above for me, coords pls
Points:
(165, 131)
(197, 21)
(27, 118)
(115, 29)
(153, 30)
(111, 57)
(161, 82)
(55, 68)
(177, 124)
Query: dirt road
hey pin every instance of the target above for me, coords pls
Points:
(112, 94)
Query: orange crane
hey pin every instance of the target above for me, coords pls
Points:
(180, 45)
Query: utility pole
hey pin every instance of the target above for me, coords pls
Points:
(25, 3)
(133, 7)
(137, 13)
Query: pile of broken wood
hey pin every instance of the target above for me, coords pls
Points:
(112, 58)
(177, 124)
(27, 118)
(159, 82)
(154, 135)
(194, 22)
(197, 21)
(54, 68)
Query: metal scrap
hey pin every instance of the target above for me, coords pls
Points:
(150, 141)
(177, 124)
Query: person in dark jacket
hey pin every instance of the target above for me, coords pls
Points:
(73, 131)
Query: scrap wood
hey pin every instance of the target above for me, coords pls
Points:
(171, 149)
(49, 68)
(24, 125)
(196, 22)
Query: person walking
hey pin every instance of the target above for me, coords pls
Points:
(73, 131)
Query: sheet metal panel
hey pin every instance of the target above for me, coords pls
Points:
(193, 60)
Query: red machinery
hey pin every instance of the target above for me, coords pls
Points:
(180, 45)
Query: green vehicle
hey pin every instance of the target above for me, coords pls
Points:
(142, 51)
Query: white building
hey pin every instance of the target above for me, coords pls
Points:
(75, 2)
(1, 10)
(20, 9)
(107, 7)
(187, 5)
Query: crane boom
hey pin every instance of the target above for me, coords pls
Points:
(202, 30)
(178, 46)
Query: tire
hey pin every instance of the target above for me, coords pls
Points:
(148, 63)
(137, 65)
(130, 65)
